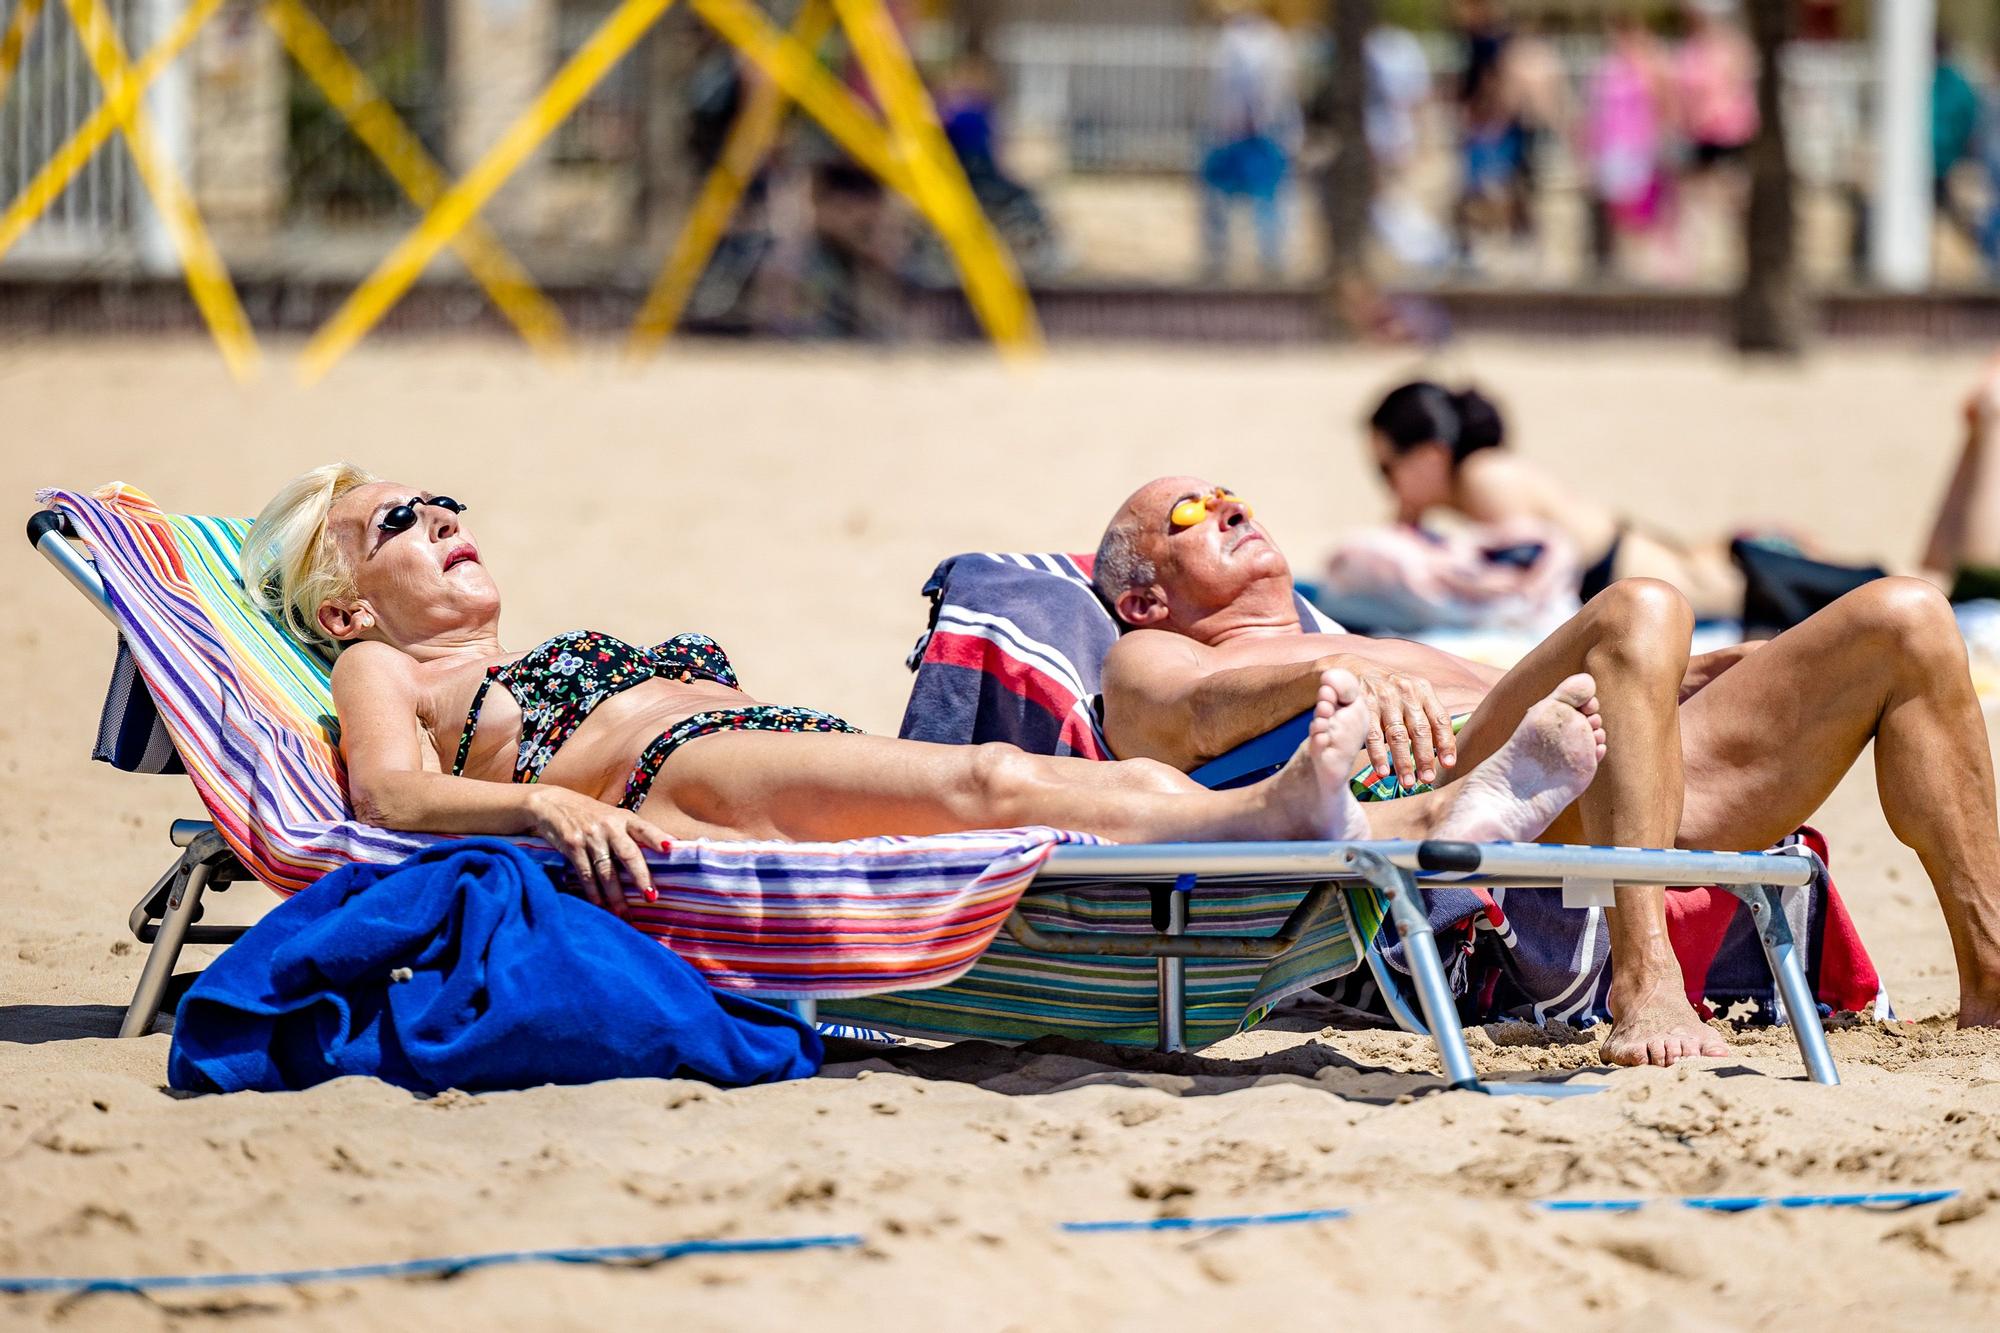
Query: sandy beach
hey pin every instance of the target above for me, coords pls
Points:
(791, 503)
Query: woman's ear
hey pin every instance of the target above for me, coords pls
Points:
(1141, 607)
(345, 624)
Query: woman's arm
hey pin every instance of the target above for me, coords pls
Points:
(382, 740)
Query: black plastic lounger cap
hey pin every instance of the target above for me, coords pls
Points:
(43, 522)
(1444, 854)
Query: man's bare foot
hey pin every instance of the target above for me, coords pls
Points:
(1976, 1011)
(1658, 1027)
(1310, 794)
(1543, 767)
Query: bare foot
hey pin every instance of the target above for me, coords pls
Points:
(1978, 1011)
(1658, 1027)
(1310, 794)
(1543, 767)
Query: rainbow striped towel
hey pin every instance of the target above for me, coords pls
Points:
(250, 713)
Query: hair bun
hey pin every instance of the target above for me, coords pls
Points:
(1479, 423)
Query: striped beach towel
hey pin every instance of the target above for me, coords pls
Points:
(250, 716)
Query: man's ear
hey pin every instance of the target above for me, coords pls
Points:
(1141, 607)
(345, 624)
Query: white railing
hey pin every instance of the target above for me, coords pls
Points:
(52, 92)
(1113, 98)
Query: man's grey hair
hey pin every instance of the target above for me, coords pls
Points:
(1121, 565)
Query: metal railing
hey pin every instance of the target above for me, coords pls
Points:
(51, 92)
(1130, 98)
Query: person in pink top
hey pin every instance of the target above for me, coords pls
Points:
(1629, 104)
(1715, 79)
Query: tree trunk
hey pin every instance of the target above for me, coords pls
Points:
(1348, 188)
(1770, 309)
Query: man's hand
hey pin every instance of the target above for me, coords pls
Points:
(1410, 732)
(1704, 669)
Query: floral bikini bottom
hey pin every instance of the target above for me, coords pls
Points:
(756, 717)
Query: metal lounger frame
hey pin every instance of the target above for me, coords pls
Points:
(167, 916)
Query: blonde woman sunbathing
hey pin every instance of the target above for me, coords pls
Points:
(601, 747)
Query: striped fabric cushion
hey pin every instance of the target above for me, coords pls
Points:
(1014, 994)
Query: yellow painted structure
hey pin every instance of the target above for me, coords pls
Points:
(415, 172)
(906, 149)
(207, 279)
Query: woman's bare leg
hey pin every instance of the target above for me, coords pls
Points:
(1768, 740)
(817, 786)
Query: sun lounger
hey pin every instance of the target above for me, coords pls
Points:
(872, 930)
(1013, 653)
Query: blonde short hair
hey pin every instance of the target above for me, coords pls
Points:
(289, 568)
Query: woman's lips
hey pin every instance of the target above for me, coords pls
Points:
(460, 555)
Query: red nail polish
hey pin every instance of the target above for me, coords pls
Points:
(666, 844)
(652, 895)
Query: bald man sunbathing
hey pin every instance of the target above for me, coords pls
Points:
(1729, 751)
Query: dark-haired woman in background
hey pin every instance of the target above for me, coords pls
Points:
(1440, 449)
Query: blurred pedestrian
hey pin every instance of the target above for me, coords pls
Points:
(1630, 109)
(1535, 87)
(1956, 112)
(1399, 87)
(1254, 128)
(1715, 87)
(1488, 138)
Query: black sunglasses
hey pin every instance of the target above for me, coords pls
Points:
(404, 515)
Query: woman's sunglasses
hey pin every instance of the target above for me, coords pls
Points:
(404, 515)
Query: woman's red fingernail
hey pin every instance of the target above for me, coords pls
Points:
(666, 844)
(652, 895)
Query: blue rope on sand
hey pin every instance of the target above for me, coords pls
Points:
(1714, 1203)
(1207, 1223)
(1892, 1201)
(653, 1254)
(442, 1267)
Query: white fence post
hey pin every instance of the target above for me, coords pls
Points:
(1900, 240)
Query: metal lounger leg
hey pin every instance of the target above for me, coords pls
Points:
(1392, 994)
(1399, 890)
(1767, 909)
(182, 905)
(1172, 980)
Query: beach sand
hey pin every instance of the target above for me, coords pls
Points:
(791, 504)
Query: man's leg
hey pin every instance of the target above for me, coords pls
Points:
(1769, 739)
(1633, 638)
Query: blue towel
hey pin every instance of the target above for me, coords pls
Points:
(505, 983)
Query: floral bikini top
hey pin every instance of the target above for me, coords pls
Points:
(560, 681)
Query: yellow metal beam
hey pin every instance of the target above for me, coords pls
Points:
(20, 24)
(207, 279)
(942, 190)
(395, 274)
(743, 154)
(378, 126)
(796, 69)
(101, 124)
